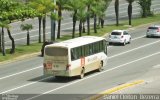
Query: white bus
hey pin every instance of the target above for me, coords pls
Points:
(75, 57)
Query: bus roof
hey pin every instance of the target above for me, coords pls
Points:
(71, 43)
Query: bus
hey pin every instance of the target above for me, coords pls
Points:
(75, 57)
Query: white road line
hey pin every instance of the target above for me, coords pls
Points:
(20, 72)
(133, 49)
(93, 75)
(24, 85)
(73, 82)
(41, 66)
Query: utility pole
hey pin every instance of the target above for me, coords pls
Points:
(53, 27)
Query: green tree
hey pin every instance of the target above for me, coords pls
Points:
(44, 7)
(81, 16)
(88, 4)
(0, 41)
(27, 27)
(3, 24)
(117, 11)
(97, 11)
(130, 11)
(73, 5)
(145, 7)
(60, 4)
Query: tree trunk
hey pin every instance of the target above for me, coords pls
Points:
(28, 38)
(102, 22)
(117, 11)
(88, 20)
(12, 39)
(0, 41)
(3, 43)
(44, 29)
(80, 28)
(130, 13)
(40, 20)
(59, 21)
(74, 24)
(84, 31)
(95, 23)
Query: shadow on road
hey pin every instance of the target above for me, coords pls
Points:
(52, 79)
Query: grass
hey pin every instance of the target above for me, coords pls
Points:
(36, 47)
(21, 50)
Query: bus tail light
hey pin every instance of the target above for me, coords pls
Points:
(44, 65)
(68, 66)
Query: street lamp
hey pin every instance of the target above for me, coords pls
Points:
(53, 26)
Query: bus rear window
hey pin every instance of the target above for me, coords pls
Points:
(50, 51)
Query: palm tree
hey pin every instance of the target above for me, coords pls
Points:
(60, 4)
(130, 10)
(12, 39)
(145, 7)
(43, 7)
(81, 16)
(88, 4)
(73, 5)
(3, 24)
(0, 41)
(97, 10)
(117, 11)
(27, 27)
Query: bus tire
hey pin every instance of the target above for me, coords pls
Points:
(58, 77)
(82, 73)
(100, 67)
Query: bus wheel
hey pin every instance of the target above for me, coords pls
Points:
(82, 73)
(58, 77)
(100, 67)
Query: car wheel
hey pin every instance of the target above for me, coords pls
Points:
(147, 36)
(129, 41)
(110, 43)
(124, 43)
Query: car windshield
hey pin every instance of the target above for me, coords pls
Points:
(153, 28)
(116, 33)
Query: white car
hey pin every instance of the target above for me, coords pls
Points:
(119, 36)
(153, 31)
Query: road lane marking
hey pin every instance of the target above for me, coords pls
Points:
(41, 66)
(24, 85)
(69, 84)
(133, 49)
(93, 75)
(115, 89)
(19, 72)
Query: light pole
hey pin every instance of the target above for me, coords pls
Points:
(53, 26)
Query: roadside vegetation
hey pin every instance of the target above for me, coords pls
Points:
(21, 10)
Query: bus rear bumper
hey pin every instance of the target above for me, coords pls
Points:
(56, 73)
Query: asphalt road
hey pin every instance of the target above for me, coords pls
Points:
(20, 36)
(136, 61)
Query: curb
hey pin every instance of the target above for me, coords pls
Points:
(21, 58)
(38, 53)
(115, 89)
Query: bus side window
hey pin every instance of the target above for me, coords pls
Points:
(105, 47)
(73, 54)
(90, 49)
